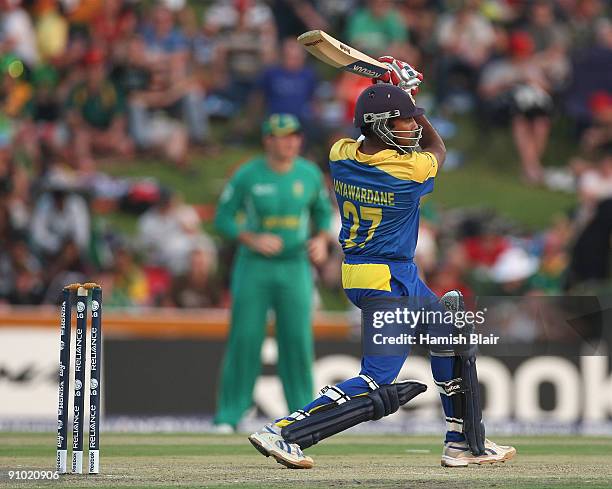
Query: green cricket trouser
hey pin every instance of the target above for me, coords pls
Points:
(260, 284)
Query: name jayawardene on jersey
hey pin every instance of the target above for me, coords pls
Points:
(429, 339)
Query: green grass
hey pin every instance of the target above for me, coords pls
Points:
(195, 460)
(201, 184)
(484, 188)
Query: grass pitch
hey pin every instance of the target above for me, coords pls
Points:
(195, 460)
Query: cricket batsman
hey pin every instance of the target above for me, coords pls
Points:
(379, 180)
(286, 216)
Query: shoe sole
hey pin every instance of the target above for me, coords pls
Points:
(452, 462)
(290, 464)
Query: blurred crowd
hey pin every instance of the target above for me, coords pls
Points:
(83, 82)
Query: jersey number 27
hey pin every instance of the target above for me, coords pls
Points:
(363, 213)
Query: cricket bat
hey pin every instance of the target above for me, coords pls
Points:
(337, 54)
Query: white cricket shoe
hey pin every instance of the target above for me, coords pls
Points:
(269, 443)
(458, 454)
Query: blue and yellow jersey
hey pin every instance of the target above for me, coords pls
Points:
(378, 198)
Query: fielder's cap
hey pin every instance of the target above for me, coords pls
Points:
(384, 97)
(280, 125)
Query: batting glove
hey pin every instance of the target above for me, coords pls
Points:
(400, 74)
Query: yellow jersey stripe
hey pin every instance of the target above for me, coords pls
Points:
(416, 166)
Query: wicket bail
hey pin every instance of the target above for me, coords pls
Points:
(81, 292)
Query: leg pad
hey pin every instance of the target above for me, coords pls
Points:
(473, 426)
(464, 389)
(335, 418)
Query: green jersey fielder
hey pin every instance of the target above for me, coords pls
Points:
(286, 213)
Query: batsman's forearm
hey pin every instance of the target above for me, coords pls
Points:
(431, 140)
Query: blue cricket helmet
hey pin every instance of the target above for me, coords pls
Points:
(381, 102)
(384, 98)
